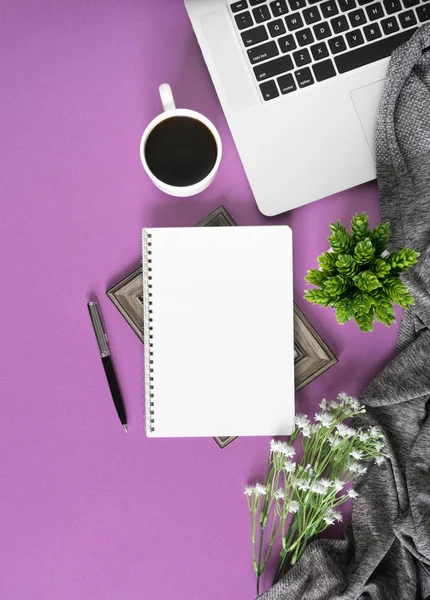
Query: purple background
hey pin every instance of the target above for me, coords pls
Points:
(87, 511)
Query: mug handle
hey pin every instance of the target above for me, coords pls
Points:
(166, 97)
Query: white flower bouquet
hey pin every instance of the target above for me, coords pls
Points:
(299, 501)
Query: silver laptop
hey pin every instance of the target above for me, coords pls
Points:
(300, 83)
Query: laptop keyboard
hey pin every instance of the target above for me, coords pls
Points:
(292, 44)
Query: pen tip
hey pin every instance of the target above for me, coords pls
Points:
(125, 428)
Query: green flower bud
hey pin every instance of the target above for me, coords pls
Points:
(364, 252)
(366, 281)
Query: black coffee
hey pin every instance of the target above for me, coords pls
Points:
(180, 151)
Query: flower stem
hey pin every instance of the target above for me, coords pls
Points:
(260, 551)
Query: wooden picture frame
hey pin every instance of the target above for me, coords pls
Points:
(312, 355)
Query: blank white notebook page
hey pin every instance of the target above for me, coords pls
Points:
(221, 310)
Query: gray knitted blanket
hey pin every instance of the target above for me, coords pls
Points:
(386, 551)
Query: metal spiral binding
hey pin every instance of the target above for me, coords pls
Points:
(148, 330)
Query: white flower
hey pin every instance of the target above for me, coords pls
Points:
(334, 404)
(375, 432)
(260, 489)
(280, 494)
(356, 468)
(334, 440)
(248, 490)
(355, 404)
(337, 515)
(324, 418)
(306, 431)
(301, 420)
(380, 460)
(363, 436)
(352, 493)
(337, 484)
(332, 516)
(274, 445)
(281, 448)
(356, 454)
(318, 488)
(289, 466)
(345, 431)
(343, 398)
(293, 506)
(301, 484)
(329, 519)
(378, 447)
(325, 482)
(323, 404)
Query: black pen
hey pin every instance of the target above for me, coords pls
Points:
(102, 341)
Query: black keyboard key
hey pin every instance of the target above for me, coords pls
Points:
(392, 6)
(370, 53)
(244, 20)
(357, 18)
(304, 77)
(390, 25)
(329, 9)
(261, 14)
(297, 4)
(294, 21)
(339, 24)
(287, 84)
(287, 43)
(273, 67)
(312, 15)
(269, 90)
(263, 52)
(304, 37)
(302, 57)
(407, 19)
(375, 11)
(410, 3)
(346, 5)
(255, 2)
(319, 51)
(363, 2)
(354, 38)
(423, 13)
(237, 6)
(254, 36)
(276, 27)
(279, 8)
(324, 70)
(337, 44)
(322, 31)
(372, 32)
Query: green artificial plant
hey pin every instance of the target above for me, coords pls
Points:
(358, 277)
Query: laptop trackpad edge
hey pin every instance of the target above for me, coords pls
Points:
(366, 103)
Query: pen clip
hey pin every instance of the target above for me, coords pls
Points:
(99, 329)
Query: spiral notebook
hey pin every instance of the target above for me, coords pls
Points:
(218, 331)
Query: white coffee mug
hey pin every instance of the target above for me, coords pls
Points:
(170, 110)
